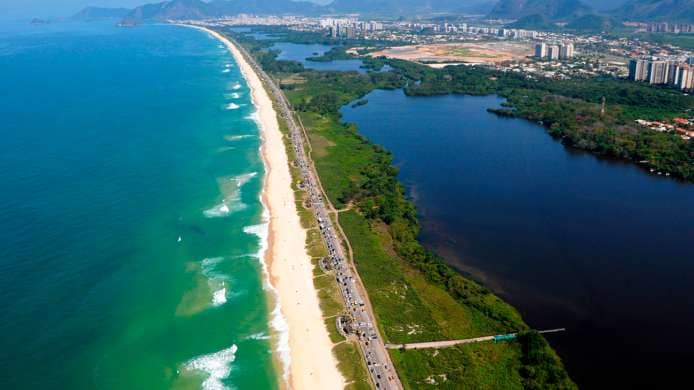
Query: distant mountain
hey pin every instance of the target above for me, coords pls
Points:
(409, 7)
(533, 22)
(265, 7)
(98, 13)
(603, 5)
(552, 9)
(657, 10)
(172, 10)
(592, 23)
(198, 9)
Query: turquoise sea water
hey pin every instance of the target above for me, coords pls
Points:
(129, 213)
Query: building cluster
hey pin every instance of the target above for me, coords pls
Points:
(349, 28)
(683, 127)
(676, 74)
(464, 28)
(554, 52)
(677, 28)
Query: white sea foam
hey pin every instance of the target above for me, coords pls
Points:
(232, 95)
(208, 266)
(231, 189)
(219, 297)
(238, 137)
(245, 178)
(218, 211)
(228, 66)
(236, 86)
(232, 106)
(217, 367)
(254, 117)
(277, 322)
(258, 336)
(226, 70)
(216, 280)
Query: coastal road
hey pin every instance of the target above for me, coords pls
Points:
(381, 369)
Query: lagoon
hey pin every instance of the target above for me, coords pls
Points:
(300, 52)
(599, 247)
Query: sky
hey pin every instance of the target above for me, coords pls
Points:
(17, 9)
(22, 9)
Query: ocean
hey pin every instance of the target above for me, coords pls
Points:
(130, 213)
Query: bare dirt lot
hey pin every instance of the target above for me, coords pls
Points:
(470, 52)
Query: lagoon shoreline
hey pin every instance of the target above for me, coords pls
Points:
(309, 362)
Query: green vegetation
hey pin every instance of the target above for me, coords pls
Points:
(685, 41)
(346, 352)
(415, 295)
(336, 53)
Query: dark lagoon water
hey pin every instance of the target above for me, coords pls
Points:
(300, 53)
(599, 247)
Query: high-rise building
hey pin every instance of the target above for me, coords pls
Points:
(553, 53)
(540, 50)
(690, 61)
(638, 70)
(673, 72)
(566, 51)
(685, 78)
(657, 72)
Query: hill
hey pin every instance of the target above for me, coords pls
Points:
(533, 22)
(198, 9)
(592, 23)
(657, 10)
(410, 7)
(551, 9)
(98, 13)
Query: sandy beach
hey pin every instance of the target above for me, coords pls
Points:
(312, 364)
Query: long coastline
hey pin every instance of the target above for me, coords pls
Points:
(309, 362)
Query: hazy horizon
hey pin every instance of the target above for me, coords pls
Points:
(24, 9)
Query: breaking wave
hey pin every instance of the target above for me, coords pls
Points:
(238, 137)
(258, 336)
(219, 297)
(232, 106)
(277, 321)
(231, 189)
(216, 280)
(217, 367)
(253, 117)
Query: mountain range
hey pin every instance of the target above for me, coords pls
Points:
(550, 10)
(658, 10)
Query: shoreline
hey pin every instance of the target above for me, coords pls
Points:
(308, 362)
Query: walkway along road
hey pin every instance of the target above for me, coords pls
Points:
(451, 343)
(380, 367)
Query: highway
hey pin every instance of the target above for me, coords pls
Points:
(380, 367)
